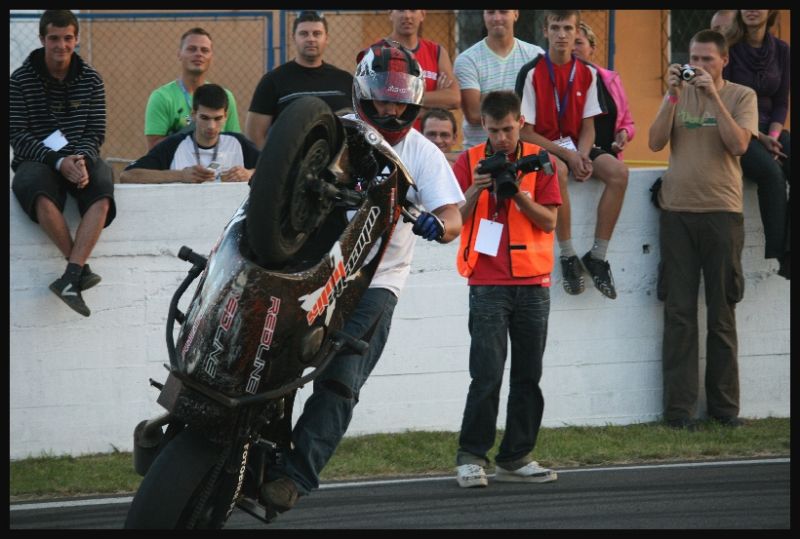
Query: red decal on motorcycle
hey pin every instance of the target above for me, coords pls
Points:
(317, 302)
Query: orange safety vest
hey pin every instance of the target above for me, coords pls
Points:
(531, 249)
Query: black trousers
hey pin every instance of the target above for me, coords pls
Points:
(692, 243)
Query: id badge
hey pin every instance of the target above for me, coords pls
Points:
(488, 238)
(56, 140)
(566, 142)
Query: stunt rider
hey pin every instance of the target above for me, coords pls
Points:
(387, 94)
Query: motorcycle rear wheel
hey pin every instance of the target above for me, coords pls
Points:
(177, 482)
(282, 213)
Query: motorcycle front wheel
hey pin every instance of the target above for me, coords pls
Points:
(282, 212)
(184, 488)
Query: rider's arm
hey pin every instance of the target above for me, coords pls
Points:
(451, 218)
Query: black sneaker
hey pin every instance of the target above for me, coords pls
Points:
(88, 278)
(278, 496)
(572, 273)
(600, 271)
(70, 294)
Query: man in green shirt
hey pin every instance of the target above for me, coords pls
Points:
(169, 107)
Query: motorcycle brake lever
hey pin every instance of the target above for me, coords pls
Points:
(408, 216)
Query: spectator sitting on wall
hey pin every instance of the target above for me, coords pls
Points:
(57, 123)
(206, 154)
(441, 87)
(169, 107)
(490, 64)
(559, 102)
(613, 130)
(306, 75)
(762, 62)
(439, 126)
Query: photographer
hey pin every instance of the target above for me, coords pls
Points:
(506, 252)
(708, 123)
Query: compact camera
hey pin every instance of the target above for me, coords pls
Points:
(504, 172)
(687, 72)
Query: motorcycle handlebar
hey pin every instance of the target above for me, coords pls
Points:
(185, 253)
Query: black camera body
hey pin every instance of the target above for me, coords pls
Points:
(504, 172)
(687, 72)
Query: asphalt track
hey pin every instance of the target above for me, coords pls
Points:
(742, 494)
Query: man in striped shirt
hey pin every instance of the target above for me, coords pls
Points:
(57, 124)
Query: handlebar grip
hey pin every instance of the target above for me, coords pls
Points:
(185, 253)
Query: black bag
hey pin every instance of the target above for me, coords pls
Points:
(654, 189)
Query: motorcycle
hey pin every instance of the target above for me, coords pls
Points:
(267, 315)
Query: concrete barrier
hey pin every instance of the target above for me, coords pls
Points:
(80, 385)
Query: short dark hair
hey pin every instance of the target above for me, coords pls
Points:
(210, 95)
(60, 18)
(500, 103)
(711, 36)
(440, 114)
(195, 31)
(309, 16)
(561, 14)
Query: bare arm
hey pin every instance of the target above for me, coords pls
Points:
(256, 127)
(471, 106)
(195, 174)
(542, 216)
(451, 217)
(447, 94)
(735, 137)
(660, 131)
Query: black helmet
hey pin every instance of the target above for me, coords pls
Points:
(388, 72)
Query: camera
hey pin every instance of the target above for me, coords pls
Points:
(504, 172)
(687, 72)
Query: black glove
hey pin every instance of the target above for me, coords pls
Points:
(428, 226)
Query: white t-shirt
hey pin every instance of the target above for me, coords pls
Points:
(228, 155)
(436, 186)
(480, 68)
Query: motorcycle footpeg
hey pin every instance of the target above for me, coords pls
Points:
(255, 509)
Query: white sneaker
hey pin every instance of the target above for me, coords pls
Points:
(471, 475)
(530, 473)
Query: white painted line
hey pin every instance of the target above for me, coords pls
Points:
(379, 482)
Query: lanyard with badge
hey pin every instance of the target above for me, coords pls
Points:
(561, 104)
(188, 99)
(490, 231)
(214, 164)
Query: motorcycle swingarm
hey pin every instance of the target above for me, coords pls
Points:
(176, 380)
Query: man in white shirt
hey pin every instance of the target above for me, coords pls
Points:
(490, 64)
(387, 94)
(205, 154)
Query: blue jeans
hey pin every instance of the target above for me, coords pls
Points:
(495, 314)
(328, 410)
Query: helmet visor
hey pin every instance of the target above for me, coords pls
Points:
(392, 86)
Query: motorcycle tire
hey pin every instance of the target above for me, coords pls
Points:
(281, 213)
(168, 495)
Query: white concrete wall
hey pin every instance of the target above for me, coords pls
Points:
(79, 385)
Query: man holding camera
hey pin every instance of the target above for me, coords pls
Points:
(708, 123)
(506, 252)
